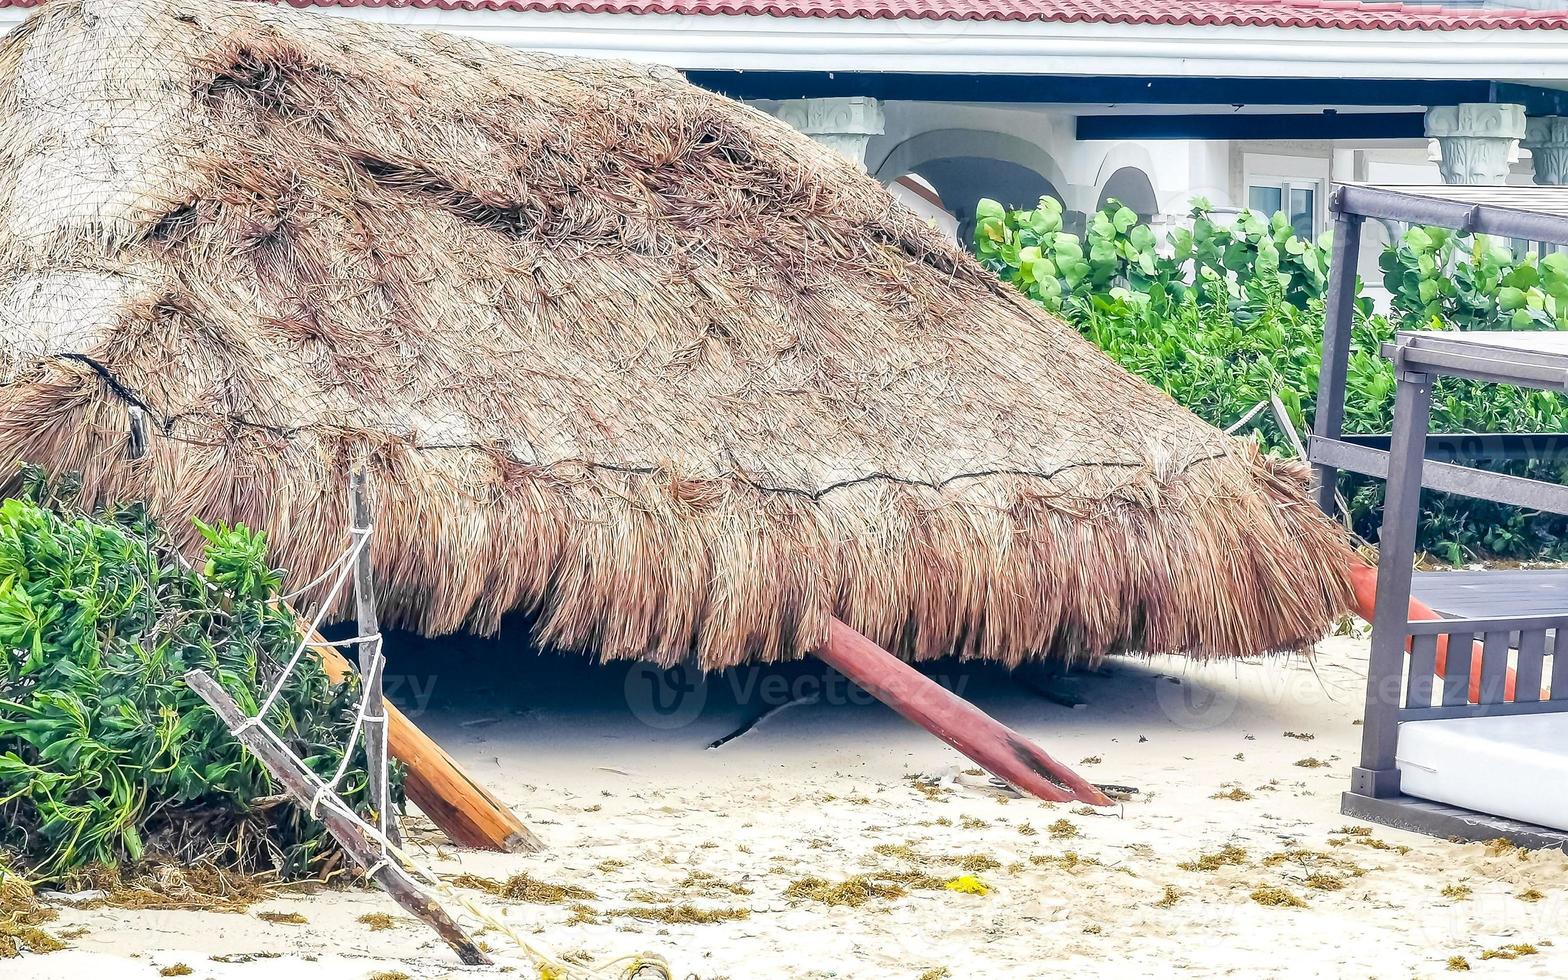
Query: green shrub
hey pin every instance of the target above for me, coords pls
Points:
(1446, 279)
(105, 754)
(1221, 318)
(1245, 267)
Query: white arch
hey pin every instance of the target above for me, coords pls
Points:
(1133, 188)
(945, 144)
(1126, 156)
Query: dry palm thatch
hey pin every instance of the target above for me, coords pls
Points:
(625, 355)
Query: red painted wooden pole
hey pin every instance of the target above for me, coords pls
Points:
(993, 746)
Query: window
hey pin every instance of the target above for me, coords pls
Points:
(1265, 200)
(1297, 197)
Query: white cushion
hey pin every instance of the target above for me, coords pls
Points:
(1513, 766)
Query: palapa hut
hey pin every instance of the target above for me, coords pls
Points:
(623, 354)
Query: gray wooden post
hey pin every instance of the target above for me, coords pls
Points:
(1376, 776)
(304, 786)
(1338, 319)
(371, 665)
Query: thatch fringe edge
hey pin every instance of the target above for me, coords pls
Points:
(1213, 561)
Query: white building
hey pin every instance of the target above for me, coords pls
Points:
(1244, 102)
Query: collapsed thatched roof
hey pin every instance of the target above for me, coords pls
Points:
(624, 354)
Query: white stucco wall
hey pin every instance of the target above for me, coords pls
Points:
(1043, 139)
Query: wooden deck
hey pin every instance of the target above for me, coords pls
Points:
(1449, 822)
(1491, 594)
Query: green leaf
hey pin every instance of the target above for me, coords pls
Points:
(1522, 276)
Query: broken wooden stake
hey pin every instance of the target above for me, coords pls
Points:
(751, 725)
(303, 785)
(993, 746)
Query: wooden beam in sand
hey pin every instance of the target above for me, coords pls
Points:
(464, 810)
(993, 746)
(303, 785)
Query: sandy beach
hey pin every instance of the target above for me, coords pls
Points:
(1231, 859)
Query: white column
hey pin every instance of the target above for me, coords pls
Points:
(1476, 140)
(1546, 137)
(845, 124)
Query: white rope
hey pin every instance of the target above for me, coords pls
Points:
(315, 581)
(1281, 416)
(374, 663)
(322, 792)
(348, 642)
(361, 536)
(391, 854)
(371, 677)
(373, 666)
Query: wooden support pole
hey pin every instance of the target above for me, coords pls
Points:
(464, 810)
(993, 746)
(1339, 308)
(372, 663)
(303, 785)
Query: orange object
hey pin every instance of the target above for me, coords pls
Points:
(1363, 579)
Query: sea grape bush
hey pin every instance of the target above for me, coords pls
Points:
(1222, 317)
(1120, 260)
(1441, 278)
(105, 754)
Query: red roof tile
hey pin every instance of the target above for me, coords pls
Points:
(1342, 14)
(1345, 14)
